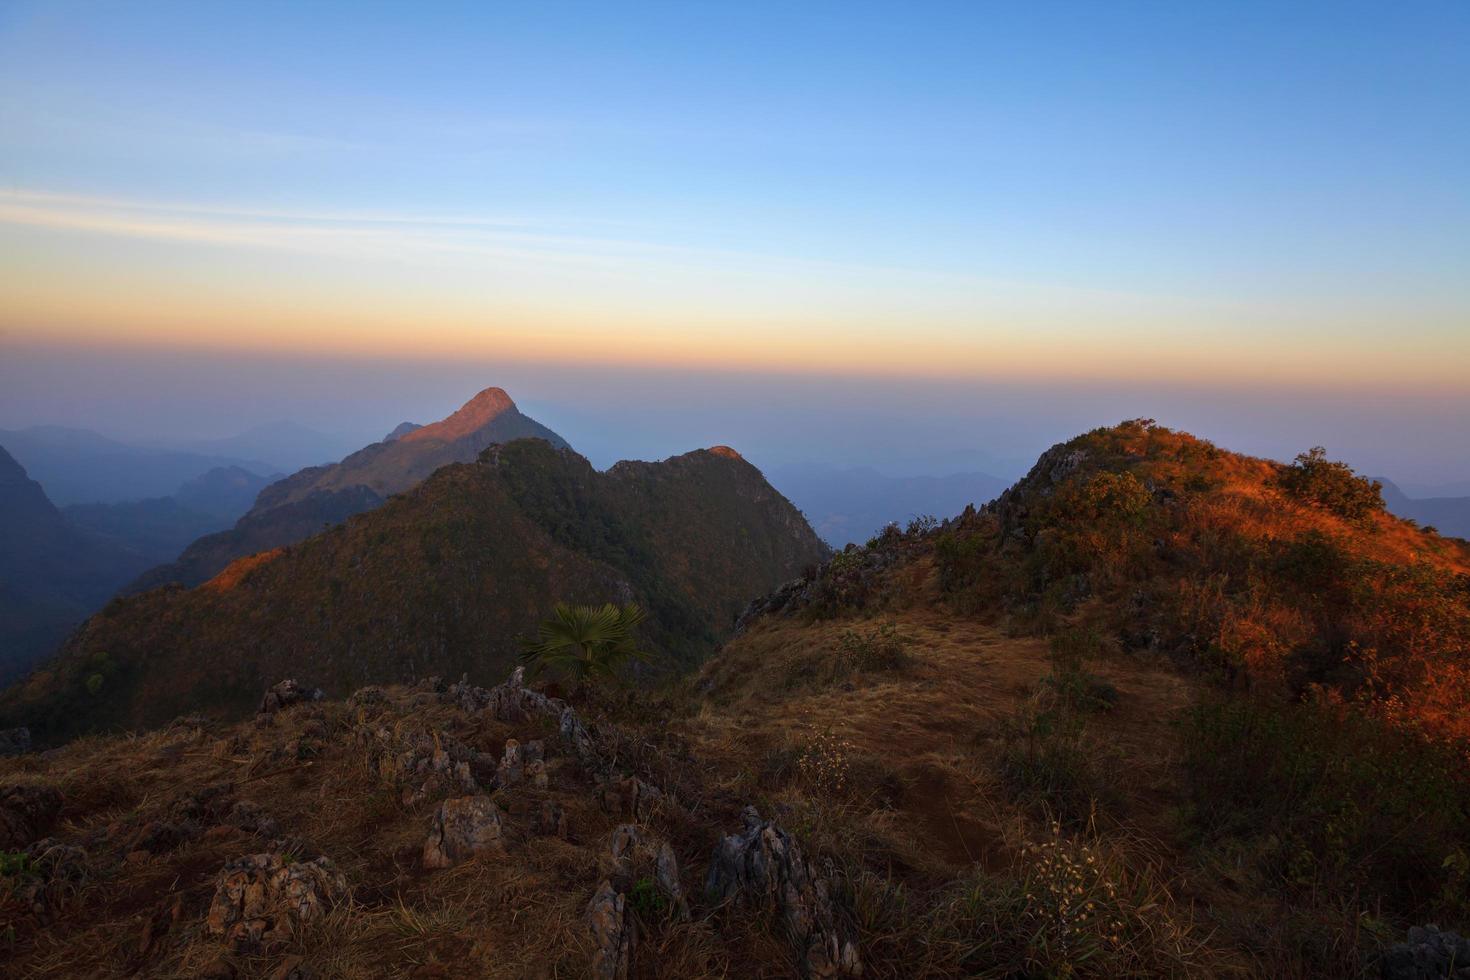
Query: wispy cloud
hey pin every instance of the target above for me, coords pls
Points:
(359, 235)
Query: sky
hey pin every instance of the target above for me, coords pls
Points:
(919, 235)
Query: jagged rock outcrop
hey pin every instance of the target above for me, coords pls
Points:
(249, 817)
(763, 867)
(26, 813)
(629, 797)
(510, 701)
(513, 702)
(284, 695)
(259, 899)
(550, 820)
(612, 933)
(461, 829)
(522, 762)
(426, 765)
(1428, 954)
(635, 853)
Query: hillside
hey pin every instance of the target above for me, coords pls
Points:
(1091, 729)
(52, 573)
(439, 580)
(300, 505)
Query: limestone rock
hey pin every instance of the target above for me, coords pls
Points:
(26, 812)
(369, 698)
(425, 765)
(204, 806)
(462, 829)
(763, 867)
(612, 933)
(1428, 954)
(259, 899)
(252, 819)
(579, 740)
(550, 821)
(518, 760)
(635, 854)
(284, 695)
(511, 701)
(629, 797)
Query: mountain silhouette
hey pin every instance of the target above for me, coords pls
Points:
(302, 504)
(52, 574)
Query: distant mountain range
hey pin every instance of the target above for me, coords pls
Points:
(1447, 515)
(78, 466)
(300, 505)
(287, 446)
(52, 573)
(438, 580)
(851, 505)
(159, 528)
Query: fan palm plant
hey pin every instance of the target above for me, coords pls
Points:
(586, 642)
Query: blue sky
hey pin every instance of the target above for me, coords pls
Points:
(1222, 193)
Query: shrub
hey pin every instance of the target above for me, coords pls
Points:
(587, 642)
(1047, 758)
(1071, 684)
(824, 763)
(1105, 496)
(922, 525)
(1334, 801)
(882, 648)
(1331, 485)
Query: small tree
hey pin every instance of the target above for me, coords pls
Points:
(1331, 485)
(587, 642)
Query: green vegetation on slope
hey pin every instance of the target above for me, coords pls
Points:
(440, 580)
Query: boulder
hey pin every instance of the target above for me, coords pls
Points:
(462, 829)
(629, 797)
(259, 899)
(612, 933)
(1428, 954)
(550, 821)
(26, 813)
(636, 854)
(511, 701)
(284, 695)
(425, 765)
(763, 868)
(519, 760)
(579, 740)
(250, 818)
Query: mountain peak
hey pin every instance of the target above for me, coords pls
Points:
(476, 413)
(725, 451)
(400, 430)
